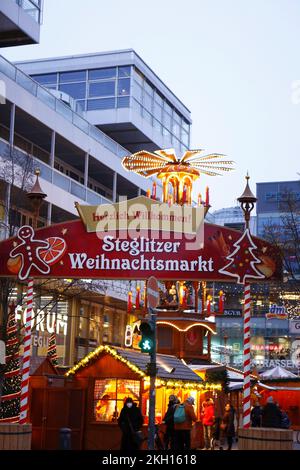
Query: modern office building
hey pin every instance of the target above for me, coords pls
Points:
(20, 22)
(55, 130)
(121, 95)
(273, 200)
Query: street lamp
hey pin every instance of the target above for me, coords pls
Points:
(36, 196)
(247, 201)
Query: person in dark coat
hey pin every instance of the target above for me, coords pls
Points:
(130, 421)
(255, 416)
(227, 426)
(271, 415)
(169, 422)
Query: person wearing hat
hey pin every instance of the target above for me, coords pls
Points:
(130, 422)
(271, 416)
(169, 422)
(183, 429)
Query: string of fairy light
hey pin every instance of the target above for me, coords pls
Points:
(159, 382)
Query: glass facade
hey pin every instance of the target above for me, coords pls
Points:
(97, 89)
(114, 87)
(148, 102)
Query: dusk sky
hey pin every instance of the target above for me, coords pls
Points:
(234, 63)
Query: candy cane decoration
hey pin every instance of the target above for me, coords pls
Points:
(246, 388)
(26, 356)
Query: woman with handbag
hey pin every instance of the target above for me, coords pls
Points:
(130, 422)
(227, 426)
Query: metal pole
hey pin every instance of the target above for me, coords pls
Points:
(152, 370)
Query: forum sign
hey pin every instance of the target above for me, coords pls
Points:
(132, 240)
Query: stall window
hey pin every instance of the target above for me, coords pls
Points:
(109, 397)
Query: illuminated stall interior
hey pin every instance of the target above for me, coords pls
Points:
(113, 374)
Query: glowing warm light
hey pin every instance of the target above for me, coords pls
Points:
(177, 174)
(160, 322)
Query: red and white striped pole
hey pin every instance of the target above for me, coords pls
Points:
(246, 388)
(26, 356)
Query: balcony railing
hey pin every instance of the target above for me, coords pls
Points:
(58, 179)
(33, 8)
(49, 99)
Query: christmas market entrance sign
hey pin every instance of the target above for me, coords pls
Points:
(115, 242)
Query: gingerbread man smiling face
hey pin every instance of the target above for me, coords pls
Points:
(25, 232)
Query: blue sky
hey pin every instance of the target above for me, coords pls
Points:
(232, 62)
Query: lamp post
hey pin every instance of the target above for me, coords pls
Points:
(36, 196)
(247, 201)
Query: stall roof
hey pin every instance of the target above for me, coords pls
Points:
(277, 373)
(169, 367)
(275, 388)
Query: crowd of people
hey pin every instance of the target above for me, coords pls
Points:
(179, 419)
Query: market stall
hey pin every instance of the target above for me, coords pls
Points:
(110, 375)
(284, 387)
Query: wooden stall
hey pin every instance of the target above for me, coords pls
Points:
(286, 393)
(53, 406)
(109, 375)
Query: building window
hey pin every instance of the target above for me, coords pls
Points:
(124, 86)
(102, 89)
(109, 397)
(76, 90)
(124, 71)
(76, 76)
(99, 74)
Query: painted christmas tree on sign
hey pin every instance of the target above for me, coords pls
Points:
(242, 262)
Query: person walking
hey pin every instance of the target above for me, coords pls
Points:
(227, 426)
(271, 415)
(184, 416)
(169, 422)
(208, 419)
(130, 422)
(256, 415)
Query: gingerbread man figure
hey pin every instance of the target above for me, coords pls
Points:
(29, 250)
